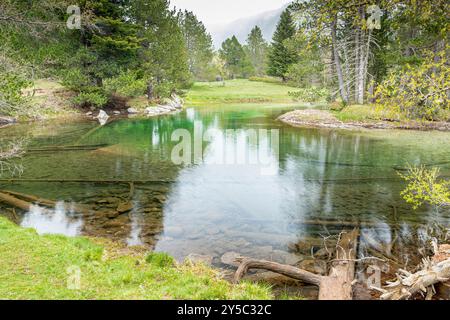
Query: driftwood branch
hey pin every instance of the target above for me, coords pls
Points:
(434, 271)
(336, 286)
(289, 271)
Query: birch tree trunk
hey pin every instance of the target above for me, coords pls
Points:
(337, 61)
(360, 61)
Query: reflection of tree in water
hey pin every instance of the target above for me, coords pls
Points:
(345, 181)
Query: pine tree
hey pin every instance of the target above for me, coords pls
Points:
(198, 44)
(257, 49)
(281, 57)
(163, 56)
(236, 60)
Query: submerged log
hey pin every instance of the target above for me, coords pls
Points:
(31, 198)
(99, 181)
(13, 199)
(15, 202)
(68, 148)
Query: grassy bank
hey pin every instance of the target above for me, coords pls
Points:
(47, 99)
(36, 267)
(238, 91)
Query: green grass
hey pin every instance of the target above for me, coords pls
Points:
(238, 91)
(357, 113)
(45, 84)
(36, 267)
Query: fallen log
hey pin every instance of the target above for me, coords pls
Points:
(336, 286)
(434, 271)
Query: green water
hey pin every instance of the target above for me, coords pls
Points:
(318, 182)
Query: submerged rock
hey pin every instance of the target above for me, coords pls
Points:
(314, 266)
(198, 258)
(125, 207)
(229, 259)
(285, 257)
(113, 214)
(175, 232)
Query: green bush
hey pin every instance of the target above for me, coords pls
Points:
(425, 187)
(160, 259)
(76, 80)
(90, 99)
(11, 85)
(163, 90)
(311, 94)
(126, 84)
(417, 92)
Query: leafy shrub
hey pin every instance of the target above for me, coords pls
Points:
(75, 79)
(11, 85)
(90, 99)
(424, 187)
(126, 84)
(160, 259)
(163, 90)
(311, 94)
(418, 92)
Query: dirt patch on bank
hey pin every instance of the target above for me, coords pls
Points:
(325, 119)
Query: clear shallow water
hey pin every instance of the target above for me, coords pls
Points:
(319, 182)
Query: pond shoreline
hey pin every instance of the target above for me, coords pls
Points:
(313, 118)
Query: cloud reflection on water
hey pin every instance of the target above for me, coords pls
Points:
(57, 221)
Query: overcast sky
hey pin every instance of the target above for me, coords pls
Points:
(214, 12)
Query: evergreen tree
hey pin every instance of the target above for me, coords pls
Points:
(257, 49)
(281, 57)
(163, 54)
(199, 45)
(236, 60)
(106, 45)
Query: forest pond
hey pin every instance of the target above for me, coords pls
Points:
(323, 181)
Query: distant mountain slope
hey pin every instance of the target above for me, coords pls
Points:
(267, 21)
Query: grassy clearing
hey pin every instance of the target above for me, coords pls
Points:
(238, 91)
(36, 267)
(47, 99)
